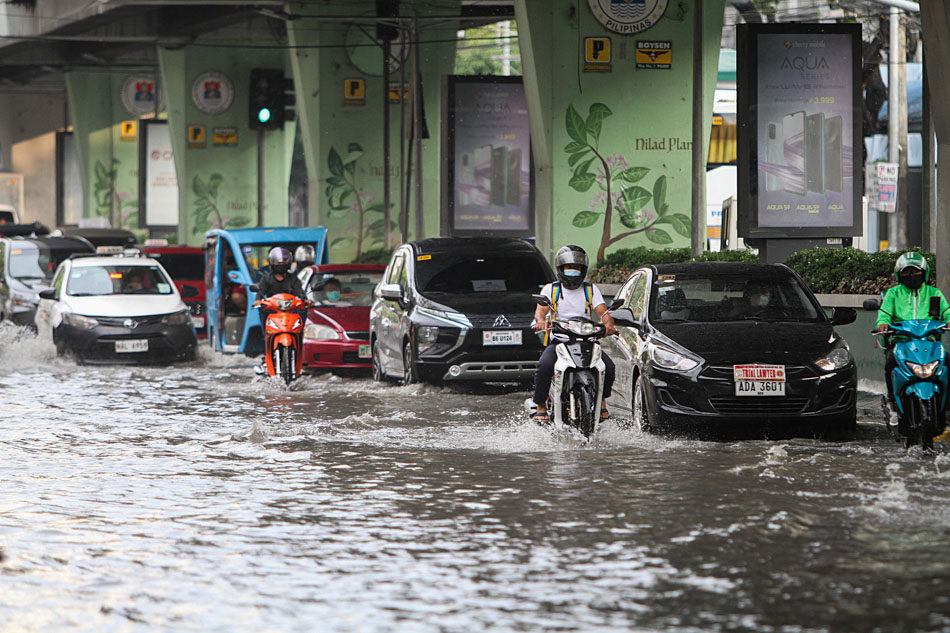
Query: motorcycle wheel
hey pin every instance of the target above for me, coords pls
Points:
(288, 365)
(583, 418)
(409, 375)
(926, 413)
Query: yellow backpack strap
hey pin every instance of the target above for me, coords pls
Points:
(589, 298)
(552, 313)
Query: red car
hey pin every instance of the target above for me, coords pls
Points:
(336, 335)
(186, 266)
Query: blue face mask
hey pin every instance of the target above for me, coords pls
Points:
(572, 273)
(333, 295)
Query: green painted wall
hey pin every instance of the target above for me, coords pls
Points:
(628, 129)
(108, 164)
(217, 184)
(343, 143)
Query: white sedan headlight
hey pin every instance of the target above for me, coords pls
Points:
(668, 358)
(182, 317)
(80, 321)
(314, 331)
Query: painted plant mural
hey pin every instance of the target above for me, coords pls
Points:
(121, 209)
(207, 212)
(620, 197)
(347, 199)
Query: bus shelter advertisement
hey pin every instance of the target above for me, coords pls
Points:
(491, 188)
(805, 126)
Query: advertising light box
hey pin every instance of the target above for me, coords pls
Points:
(799, 114)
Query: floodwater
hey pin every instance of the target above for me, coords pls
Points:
(204, 498)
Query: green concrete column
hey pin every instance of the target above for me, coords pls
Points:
(612, 149)
(108, 155)
(217, 180)
(342, 135)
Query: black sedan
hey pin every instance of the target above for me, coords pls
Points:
(701, 344)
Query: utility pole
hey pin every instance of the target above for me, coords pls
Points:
(903, 197)
(893, 128)
(698, 202)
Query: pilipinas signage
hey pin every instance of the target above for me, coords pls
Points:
(212, 92)
(628, 16)
(801, 105)
(488, 136)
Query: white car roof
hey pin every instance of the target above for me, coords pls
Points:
(114, 260)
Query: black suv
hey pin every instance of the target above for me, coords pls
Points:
(458, 309)
(26, 268)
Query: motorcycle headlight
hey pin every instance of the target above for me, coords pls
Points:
(314, 331)
(582, 328)
(836, 359)
(80, 321)
(284, 304)
(922, 371)
(182, 317)
(667, 358)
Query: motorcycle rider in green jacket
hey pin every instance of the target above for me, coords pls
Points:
(909, 299)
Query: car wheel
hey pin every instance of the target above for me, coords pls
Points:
(639, 409)
(378, 374)
(409, 373)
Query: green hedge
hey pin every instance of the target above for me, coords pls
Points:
(825, 270)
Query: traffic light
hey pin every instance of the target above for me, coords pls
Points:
(268, 99)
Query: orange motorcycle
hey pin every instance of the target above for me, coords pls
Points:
(283, 341)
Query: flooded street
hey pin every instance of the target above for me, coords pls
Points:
(204, 498)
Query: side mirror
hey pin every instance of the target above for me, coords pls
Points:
(616, 303)
(391, 292)
(254, 288)
(49, 293)
(844, 316)
(624, 317)
(541, 300)
(187, 292)
(871, 304)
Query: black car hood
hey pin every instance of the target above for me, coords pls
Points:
(752, 341)
(486, 302)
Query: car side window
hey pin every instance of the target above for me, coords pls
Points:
(396, 270)
(3, 252)
(637, 296)
(58, 281)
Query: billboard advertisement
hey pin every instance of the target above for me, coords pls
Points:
(487, 138)
(159, 204)
(799, 93)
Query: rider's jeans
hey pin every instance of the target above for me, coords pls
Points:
(890, 364)
(545, 372)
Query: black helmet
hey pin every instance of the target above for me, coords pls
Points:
(575, 255)
(279, 260)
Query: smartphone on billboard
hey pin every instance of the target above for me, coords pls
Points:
(466, 169)
(499, 175)
(514, 176)
(793, 148)
(833, 158)
(482, 158)
(774, 155)
(815, 152)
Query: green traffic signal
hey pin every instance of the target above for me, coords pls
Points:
(263, 115)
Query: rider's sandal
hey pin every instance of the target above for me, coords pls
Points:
(539, 416)
(604, 415)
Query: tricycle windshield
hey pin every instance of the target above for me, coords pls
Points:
(345, 287)
(255, 256)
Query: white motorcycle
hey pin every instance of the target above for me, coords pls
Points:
(577, 387)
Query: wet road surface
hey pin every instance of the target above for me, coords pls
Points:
(204, 498)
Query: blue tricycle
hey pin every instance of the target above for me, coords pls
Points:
(234, 260)
(919, 379)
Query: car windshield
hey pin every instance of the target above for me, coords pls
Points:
(183, 266)
(343, 288)
(33, 262)
(465, 274)
(90, 281)
(717, 298)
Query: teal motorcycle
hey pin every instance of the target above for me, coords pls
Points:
(919, 380)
